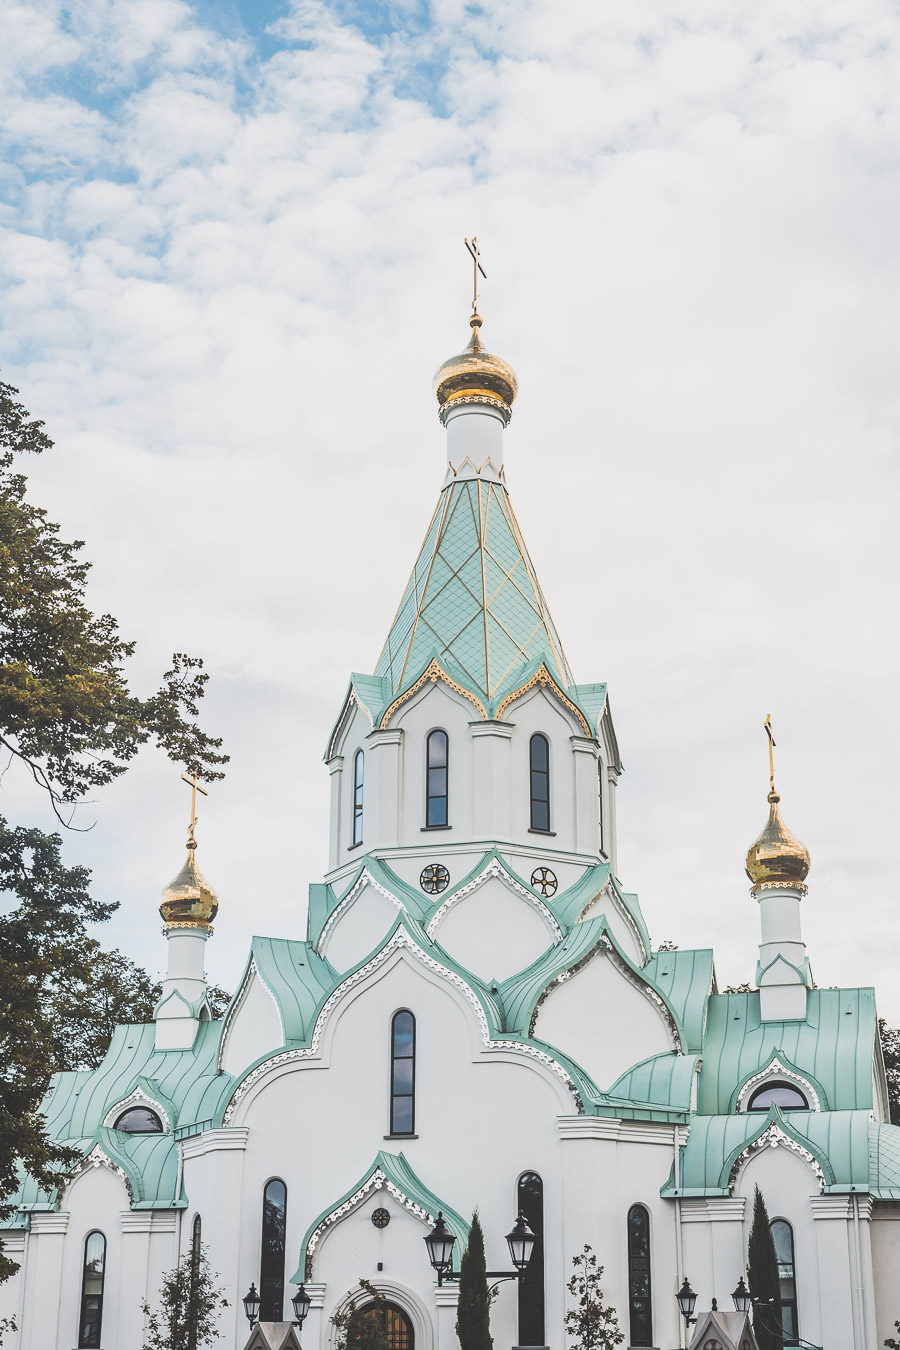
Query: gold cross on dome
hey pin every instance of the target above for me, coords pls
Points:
(768, 729)
(472, 246)
(195, 787)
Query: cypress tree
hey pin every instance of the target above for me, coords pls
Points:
(473, 1311)
(762, 1272)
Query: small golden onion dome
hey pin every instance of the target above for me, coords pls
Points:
(189, 900)
(476, 376)
(777, 858)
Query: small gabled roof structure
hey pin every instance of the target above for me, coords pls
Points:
(723, 1331)
(273, 1336)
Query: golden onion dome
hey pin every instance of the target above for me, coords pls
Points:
(475, 376)
(189, 901)
(777, 858)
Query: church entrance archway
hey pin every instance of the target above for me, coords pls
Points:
(398, 1329)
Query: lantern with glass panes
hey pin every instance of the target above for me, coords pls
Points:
(440, 1243)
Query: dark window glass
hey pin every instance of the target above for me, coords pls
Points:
(778, 1094)
(139, 1120)
(531, 1286)
(436, 794)
(358, 771)
(398, 1330)
(600, 800)
(540, 782)
(403, 1073)
(195, 1276)
(783, 1237)
(92, 1292)
(640, 1310)
(271, 1268)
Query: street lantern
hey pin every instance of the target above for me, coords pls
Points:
(520, 1241)
(301, 1303)
(742, 1297)
(251, 1302)
(440, 1243)
(687, 1301)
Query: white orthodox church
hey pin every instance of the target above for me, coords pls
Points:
(476, 1017)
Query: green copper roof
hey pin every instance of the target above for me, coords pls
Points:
(474, 596)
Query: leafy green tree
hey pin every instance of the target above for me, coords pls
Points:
(593, 1324)
(892, 1342)
(890, 1049)
(762, 1274)
(362, 1326)
(473, 1309)
(69, 718)
(189, 1304)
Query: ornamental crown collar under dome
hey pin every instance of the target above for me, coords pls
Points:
(475, 376)
(777, 858)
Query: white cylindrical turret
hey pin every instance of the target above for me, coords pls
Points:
(475, 391)
(778, 865)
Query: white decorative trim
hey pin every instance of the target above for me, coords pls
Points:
(137, 1097)
(252, 969)
(495, 869)
(215, 1141)
(97, 1158)
(831, 1207)
(365, 879)
(774, 1137)
(713, 1209)
(623, 911)
(377, 1180)
(53, 1223)
(401, 939)
(148, 1221)
(775, 1069)
(352, 698)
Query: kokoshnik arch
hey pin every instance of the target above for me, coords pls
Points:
(476, 1016)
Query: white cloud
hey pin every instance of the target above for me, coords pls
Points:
(228, 275)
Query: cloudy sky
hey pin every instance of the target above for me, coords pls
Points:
(231, 258)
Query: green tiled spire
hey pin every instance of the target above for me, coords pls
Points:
(473, 596)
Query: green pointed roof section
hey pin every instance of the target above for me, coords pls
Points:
(473, 596)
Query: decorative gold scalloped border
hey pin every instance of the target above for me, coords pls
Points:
(543, 677)
(433, 673)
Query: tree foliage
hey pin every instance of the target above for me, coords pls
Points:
(593, 1324)
(360, 1326)
(892, 1342)
(890, 1049)
(189, 1303)
(473, 1309)
(68, 716)
(762, 1274)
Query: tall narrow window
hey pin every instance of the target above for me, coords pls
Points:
(540, 782)
(436, 772)
(639, 1306)
(600, 772)
(783, 1237)
(92, 1292)
(195, 1276)
(271, 1266)
(531, 1287)
(403, 1073)
(358, 771)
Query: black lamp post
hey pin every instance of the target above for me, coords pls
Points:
(440, 1242)
(251, 1302)
(687, 1301)
(301, 1303)
(742, 1297)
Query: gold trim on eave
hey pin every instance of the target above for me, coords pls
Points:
(543, 677)
(433, 673)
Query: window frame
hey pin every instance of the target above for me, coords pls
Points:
(635, 1332)
(532, 1321)
(357, 800)
(133, 1110)
(437, 796)
(397, 1097)
(272, 1298)
(92, 1341)
(539, 736)
(767, 1087)
(793, 1336)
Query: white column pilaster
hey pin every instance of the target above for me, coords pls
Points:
(381, 800)
(43, 1289)
(586, 753)
(490, 780)
(336, 771)
(611, 850)
(837, 1329)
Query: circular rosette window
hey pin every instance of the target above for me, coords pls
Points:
(381, 1218)
(544, 881)
(434, 879)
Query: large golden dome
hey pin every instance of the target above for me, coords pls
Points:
(475, 376)
(777, 858)
(189, 901)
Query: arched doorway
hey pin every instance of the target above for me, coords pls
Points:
(398, 1328)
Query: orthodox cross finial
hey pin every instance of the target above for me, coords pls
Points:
(472, 246)
(768, 729)
(195, 788)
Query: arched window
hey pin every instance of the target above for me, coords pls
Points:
(783, 1237)
(639, 1305)
(600, 773)
(785, 1095)
(398, 1331)
(540, 782)
(403, 1073)
(530, 1201)
(436, 774)
(358, 772)
(139, 1120)
(271, 1266)
(92, 1292)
